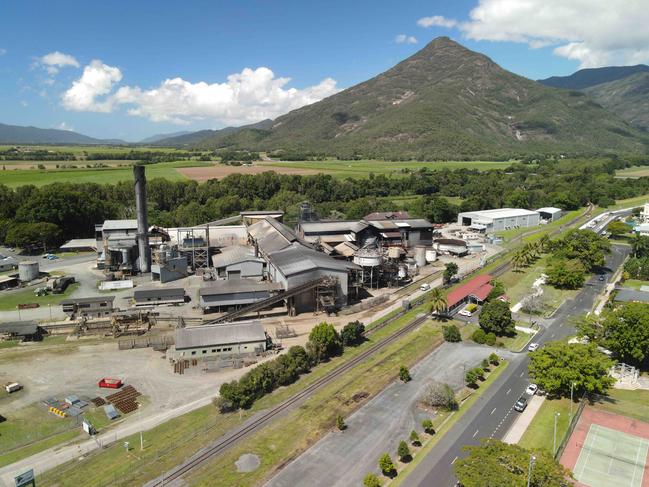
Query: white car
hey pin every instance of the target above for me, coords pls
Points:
(465, 312)
(424, 287)
(533, 347)
(531, 389)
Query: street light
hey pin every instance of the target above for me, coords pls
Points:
(572, 385)
(529, 469)
(554, 445)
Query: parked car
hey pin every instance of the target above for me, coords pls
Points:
(12, 387)
(602, 277)
(50, 257)
(521, 404)
(531, 389)
(533, 347)
(465, 312)
(424, 287)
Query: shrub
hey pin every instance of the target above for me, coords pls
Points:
(352, 333)
(371, 480)
(414, 438)
(479, 336)
(494, 359)
(485, 364)
(490, 339)
(471, 378)
(471, 307)
(403, 451)
(340, 423)
(451, 333)
(387, 466)
(404, 374)
(427, 424)
(439, 395)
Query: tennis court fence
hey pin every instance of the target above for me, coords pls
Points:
(571, 427)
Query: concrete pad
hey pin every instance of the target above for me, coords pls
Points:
(523, 421)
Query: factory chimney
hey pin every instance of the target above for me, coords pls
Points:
(142, 224)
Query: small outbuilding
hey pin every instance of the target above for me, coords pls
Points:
(94, 306)
(26, 331)
(239, 261)
(227, 294)
(219, 341)
(451, 246)
(550, 213)
(474, 291)
(161, 296)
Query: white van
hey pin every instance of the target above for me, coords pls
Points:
(13, 387)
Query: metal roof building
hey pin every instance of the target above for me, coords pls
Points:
(235, 293)
(219, 340)
(550, 213)
(159, 296)
(625, 295)
(477, 290)
(20, 330)
(92, 306)
(238, 261)
(497, 220)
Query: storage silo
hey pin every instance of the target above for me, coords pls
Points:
(420, 255)
(28, 270)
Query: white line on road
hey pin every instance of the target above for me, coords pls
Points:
(492, 412)
(552, 336)
(522, 374)
(453, 461)
(476, 432)
(508, 391)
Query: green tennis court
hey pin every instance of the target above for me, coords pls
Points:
(611, 458)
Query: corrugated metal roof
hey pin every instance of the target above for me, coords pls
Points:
(499, 213)
(234, 255)
(19, 327)
(297, 258)
(478, 286)
(120, 225)
(92, 299)
(230, 286)
(339, 226)
(171, 292)
(346, 248)
(80, 243)
(387, 215)
(209, 335)
(549, 209)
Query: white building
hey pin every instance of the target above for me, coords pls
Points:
(550, 213)
(244, 338)
(497, 220)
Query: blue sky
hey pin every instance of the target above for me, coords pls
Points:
(104, 68)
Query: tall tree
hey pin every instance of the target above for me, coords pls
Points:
(450, 270)
(496, 317)
(437, 303)
(324, 342)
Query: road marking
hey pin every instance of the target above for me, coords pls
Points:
(508, 391)
(476, 432)
(453, 461)
(552, 336)
(492, 412)
(522, 374)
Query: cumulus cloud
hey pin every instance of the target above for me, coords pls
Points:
(248, 96)
(56, 60)
(85, 94)
(405, 39)
(437, 21)
(593, 32)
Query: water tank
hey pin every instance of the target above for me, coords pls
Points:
(420, 255)
(28, 270)
(366, 258)
(431, 255)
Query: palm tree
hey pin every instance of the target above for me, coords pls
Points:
(544, 243)
(519, 259)
(437, 302)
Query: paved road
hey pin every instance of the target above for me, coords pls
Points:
(492, 415)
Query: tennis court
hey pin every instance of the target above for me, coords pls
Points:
(610, 458)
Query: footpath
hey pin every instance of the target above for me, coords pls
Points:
(523, 421)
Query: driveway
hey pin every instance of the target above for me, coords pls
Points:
(344, 458)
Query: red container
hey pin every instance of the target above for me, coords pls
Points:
(110, 383)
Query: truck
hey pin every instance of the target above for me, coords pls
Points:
(12, 387)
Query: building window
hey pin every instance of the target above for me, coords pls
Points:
(214, 350)
(218, 349)
(193, 352)
(204, 352)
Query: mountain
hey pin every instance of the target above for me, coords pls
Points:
(628, 97)
(585, 78)
(158, 137)
(16, 134)
(196, 138)
(445, 101)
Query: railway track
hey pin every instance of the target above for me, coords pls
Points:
(224, 443)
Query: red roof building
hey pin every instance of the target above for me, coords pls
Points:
(477, 288)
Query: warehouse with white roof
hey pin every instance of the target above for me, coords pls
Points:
(497, 220)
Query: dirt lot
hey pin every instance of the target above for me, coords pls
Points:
(219, 171)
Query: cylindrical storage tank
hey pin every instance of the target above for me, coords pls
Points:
(403, 272)
(420, 255)
(394, 252)
(28, 270)
(126, 257)
(367, 259)
(431, 255)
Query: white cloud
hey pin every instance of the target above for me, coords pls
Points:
(438, 21)
(404, 39)
(56, 60)
(65, 126)
(249, 96)
(593, 32)
(96, 81)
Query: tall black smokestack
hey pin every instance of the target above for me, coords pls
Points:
(142, 224)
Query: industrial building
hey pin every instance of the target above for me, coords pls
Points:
(238, 261)
(208, 341)
(451, 246)
(497, 220)
(26, 331)
(92, 307)
(335, 232)
(225, 295)
(550, 213)
(159, 296)
(8, 263)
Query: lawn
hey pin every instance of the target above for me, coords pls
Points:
(634, 404)
(540, 433)
(633, 172)
(363, 168)
(9, 302)
(39, 177)
(635, 283)
(514, 233)
(517, 342)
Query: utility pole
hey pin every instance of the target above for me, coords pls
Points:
(554, 444)
(530, 467)
(572, 385)
(139, 420)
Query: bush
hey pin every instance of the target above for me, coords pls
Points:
(427, 424)
(471, 378)
(404, 452)
(324, 342)
(439, 395)
(414, 438)
(494, 359)
(471, 307)
(387, 466)
(479, 336)
(340, 423)
(371, 480)
(490, 339)
(496, 317)
(404, 374)
(485, 364)
(352, 333)
(451, 333)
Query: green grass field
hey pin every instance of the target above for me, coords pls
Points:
(79, 150)
(540, 433)
(634, 404)
(363, 168)
(633, 172)
(634, 284)
(9, 302)
(39, 177)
